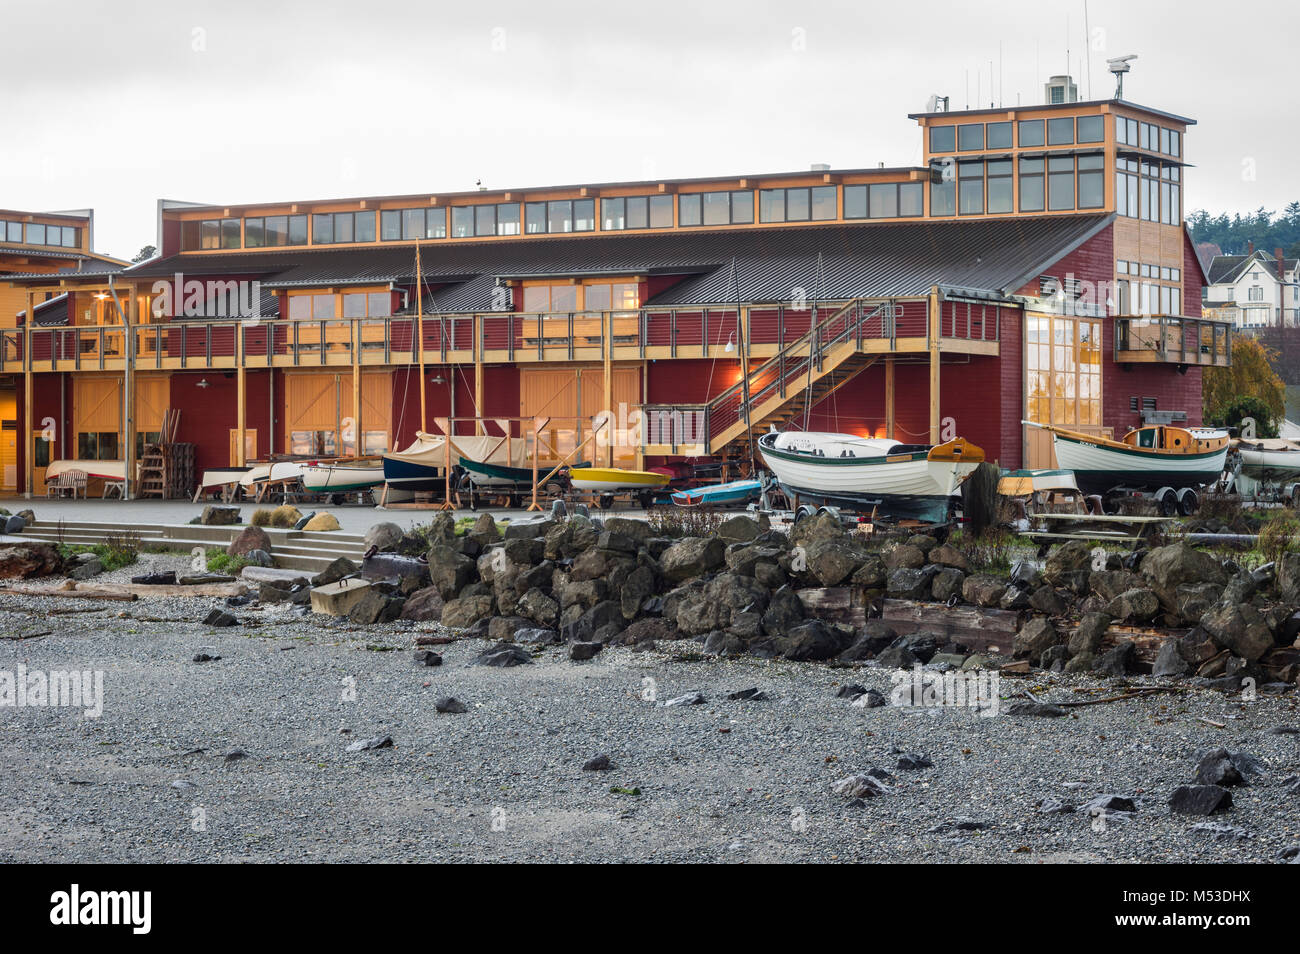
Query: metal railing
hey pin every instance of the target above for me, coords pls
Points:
(1173, 338)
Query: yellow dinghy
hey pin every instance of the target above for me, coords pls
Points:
(613, 480)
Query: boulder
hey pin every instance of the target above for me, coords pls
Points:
(529, 529)
(903, 556)
(1167, 568)
(581, 651)
(485, 530)
(249, 539)
(1015, 598)
(920, 644)
(1135, 604)
(384, 536)
(875, 636)
(693, 556)
(1288, 578)
(649, 630)
(322, 522)
(424, 605)
(1087, 638)
(1199, 800)
(947, 584)
(1194, 600)
(820, 526)
(466, 611)
(810, 640)
(737, 529)
(538, 607)
(1239, 628)
(337, 570)
(636, 589)
(1120, 660)
(983, 590)
(1048, 601)
(829, 562)
(593, 623)
(1169, 661)
(220, 516)
(1067, 558)
(870, 575)
(376, 607)
(1197, 647)
(784, 612)
(1035, 637)
(948, 556)
(503, 656)
(907, 583)
(449, 570)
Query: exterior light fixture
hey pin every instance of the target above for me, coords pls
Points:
(202, 383)
(731, 344)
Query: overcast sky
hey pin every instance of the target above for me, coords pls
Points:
(115, 105)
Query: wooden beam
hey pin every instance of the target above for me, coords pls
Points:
(478, 375)
(29, 392)
(241, 399)
(889, 397)
(934, 363)
(608, 396)
(356, 389)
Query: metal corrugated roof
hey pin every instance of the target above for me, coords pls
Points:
(866, 260)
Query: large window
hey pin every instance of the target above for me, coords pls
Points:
(1060, 183)
(551, 298)
(1000, 186)
(883, 200)
(1031, 133)
(1063, 365)
(412, 224)
(1092, 182)
(208, 234)
(1091, 128)
(100, 445)
(998, 135)
(636, 212)
(337, 227)
(943, 138)
(611, 296)
(716, 208)
(970, 188)
(478, 220)
(1060, 131)
(943, 195)
(1031, 185)
(816, 204)
(560, 215)
(970, 137)
(272, 231)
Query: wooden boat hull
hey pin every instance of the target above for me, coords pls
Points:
(499, 476)
(732, 494)
(1099, 468)
(325, 478)
(904, 485)
(612, 480)
(1270, 465)
(409, 475)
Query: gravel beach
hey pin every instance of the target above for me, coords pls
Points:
(725, 780)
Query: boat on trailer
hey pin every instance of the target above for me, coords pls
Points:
(1171, 462)
(906, 481)
(1265, 464)
(615, 480)
(420, 467)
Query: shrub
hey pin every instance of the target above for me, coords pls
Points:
(219, 561)
(262, 517)
(284, 517)
(684, 521)
(1278, 535)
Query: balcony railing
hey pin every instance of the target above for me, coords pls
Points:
(1173, 339)
(680, 332)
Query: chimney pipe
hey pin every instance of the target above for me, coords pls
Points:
(1281, 265)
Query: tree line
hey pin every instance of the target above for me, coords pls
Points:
(1233, 234)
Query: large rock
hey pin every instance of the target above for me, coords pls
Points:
(983, 590)
(636, 589)
(821, 526)
(1048, 601)
(693, 556)
(904, 556)
(323, 522)
(1120, 660)
(1135, 604)
(466, 611)
(1036, 636)
(948, 556)
(784, 612)
(738, 529)
(876, 636)
(599, 624)
(1065, 559)
(337, 570)
(1087, 638)
(28, 559)
(829, 562)
(1167, 568)
(424, 605)
(449, 570)
(538, 607)
(1199, 800)
(947, 584)
(907, 583)
(376, 607)
(810, 640)
(1111, 583)
(1169, 661)
(248, 540)
(220, 516)
(385, 536)
(1288, 578)
(714, 607)
(1239, 628)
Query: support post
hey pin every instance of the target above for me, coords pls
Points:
(241, 399)
(126, 317)
(890, 391)
(356, 389)
(29, 392)
(478, 375)
(607, 327)
(934, 363)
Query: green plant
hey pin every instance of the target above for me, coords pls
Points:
(219, 561)
(990, 553)
(261, 517)
(112, 558)
(1278, 535)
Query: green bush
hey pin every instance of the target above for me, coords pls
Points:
(112, 558)
(219, 561)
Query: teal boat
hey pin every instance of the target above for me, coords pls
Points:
(732, 494)
(500, 477)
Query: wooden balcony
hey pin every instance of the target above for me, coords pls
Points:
(491, 338)
(1172, 339)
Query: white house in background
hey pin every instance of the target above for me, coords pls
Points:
(1253, 291)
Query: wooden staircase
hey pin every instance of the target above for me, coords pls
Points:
(797, 378)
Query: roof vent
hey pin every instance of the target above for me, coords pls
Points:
(821, 167)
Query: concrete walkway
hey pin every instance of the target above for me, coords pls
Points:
(137, 513)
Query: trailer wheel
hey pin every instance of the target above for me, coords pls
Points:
(804, 511)
(1188, 502)
(1167, 501)
(605, 502)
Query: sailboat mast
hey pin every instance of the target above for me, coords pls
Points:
(419, 332)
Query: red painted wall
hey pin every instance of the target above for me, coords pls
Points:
(208, 414)
(689, 380)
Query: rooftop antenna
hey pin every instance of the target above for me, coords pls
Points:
(1087, 38)
(1119, 65)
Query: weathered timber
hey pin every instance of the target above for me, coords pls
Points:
(978, 627)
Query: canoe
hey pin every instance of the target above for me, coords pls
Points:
(719, 495)
(915, 481)
(1148, 458)
(255, 474)
(340, 477)
(93, 469)
(612, 480)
